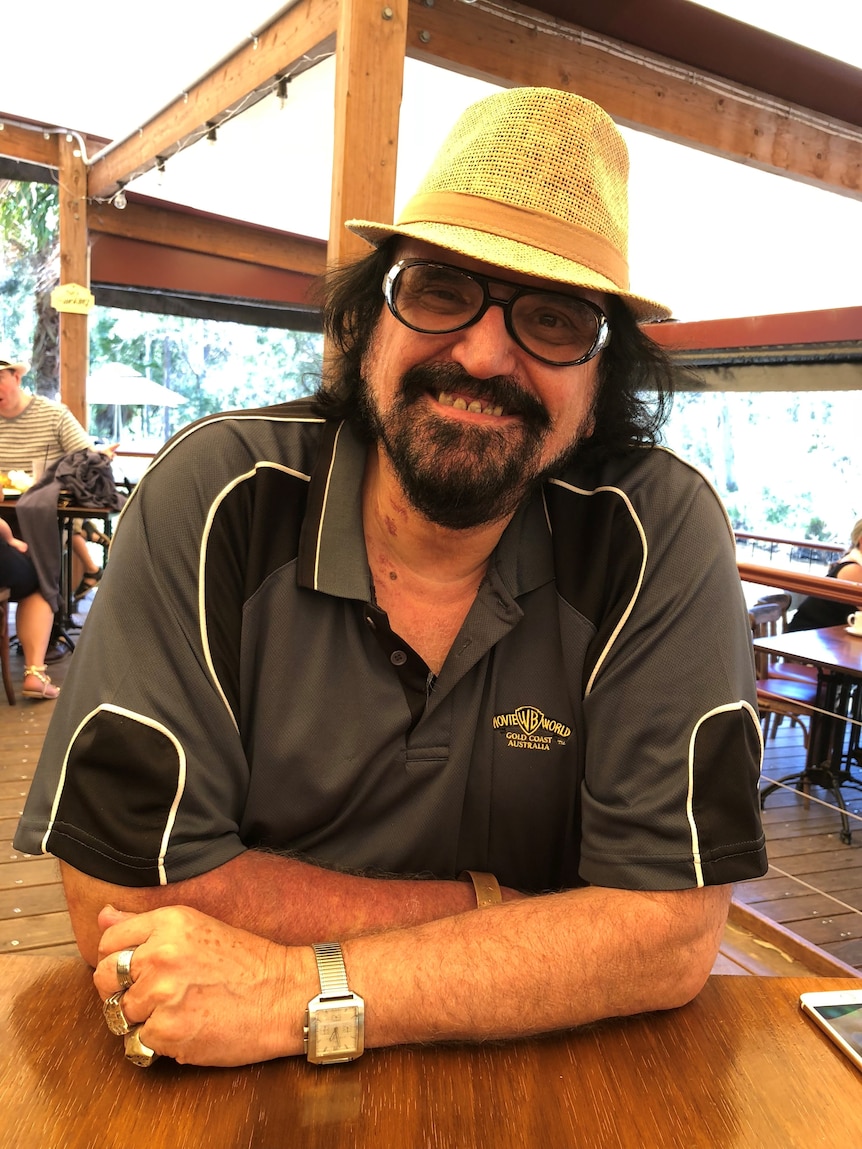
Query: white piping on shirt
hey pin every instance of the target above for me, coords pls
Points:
(220, 418)
(202, 617)
(689, 801)
(325, 500)
(630, 607)
(181, 777)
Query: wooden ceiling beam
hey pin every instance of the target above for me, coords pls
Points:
(32, 145)
(276, 49)
(640, 90)
(210, 236)
(369, 74)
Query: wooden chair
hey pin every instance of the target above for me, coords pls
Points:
(784, 690)
(4, 645)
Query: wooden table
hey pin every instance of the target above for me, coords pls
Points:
(837, 655)
(739, 1067)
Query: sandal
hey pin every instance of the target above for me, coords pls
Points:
(87, 583)
(93, 535)
(48, 690)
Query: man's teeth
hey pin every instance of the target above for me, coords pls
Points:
(447, 400)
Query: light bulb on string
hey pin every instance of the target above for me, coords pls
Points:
(281, 90)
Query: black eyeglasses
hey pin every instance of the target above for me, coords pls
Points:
(437, 299)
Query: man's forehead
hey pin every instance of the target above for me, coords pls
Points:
(418, 249)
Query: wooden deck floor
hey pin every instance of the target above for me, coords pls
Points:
(813, 890)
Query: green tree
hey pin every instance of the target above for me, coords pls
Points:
(30, 251)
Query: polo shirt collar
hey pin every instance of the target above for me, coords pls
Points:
(332, 555)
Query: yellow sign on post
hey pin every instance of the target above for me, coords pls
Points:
(73, 297)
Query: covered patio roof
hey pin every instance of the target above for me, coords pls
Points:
(368, 90)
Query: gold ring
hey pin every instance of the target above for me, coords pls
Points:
(116, 1020)
(124, 968)
(136, 1051)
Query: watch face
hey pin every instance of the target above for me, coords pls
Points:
(336, 1031)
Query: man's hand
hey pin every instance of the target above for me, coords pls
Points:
(205, 992)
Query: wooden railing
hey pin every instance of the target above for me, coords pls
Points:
(836, 590)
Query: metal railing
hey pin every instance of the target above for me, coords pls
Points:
(796, 554)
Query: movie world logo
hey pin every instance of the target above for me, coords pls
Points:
(527, 728)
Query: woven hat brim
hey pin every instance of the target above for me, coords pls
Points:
(510, 255)
(16, 366)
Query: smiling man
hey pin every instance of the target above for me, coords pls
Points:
(427, 709)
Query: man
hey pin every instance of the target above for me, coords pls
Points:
(456, 615)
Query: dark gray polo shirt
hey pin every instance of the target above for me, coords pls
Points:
(236, 686)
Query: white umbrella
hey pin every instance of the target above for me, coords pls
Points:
(122, 386)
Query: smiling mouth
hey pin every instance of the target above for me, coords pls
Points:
(476, 406)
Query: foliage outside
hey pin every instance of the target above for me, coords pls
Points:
(214, 366)
(785, 463)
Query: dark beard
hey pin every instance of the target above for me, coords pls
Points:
(457, 475)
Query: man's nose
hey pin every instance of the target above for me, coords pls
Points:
(486, 348)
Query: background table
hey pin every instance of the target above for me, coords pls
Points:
(837, 655)
(739, 1067)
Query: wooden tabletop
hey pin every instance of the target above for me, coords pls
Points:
(740, 1066)
(831, 647)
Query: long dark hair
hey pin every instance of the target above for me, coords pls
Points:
(635, 375)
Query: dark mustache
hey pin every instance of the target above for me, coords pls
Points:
(498, 390)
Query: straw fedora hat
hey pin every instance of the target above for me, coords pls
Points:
(10, 361)
(532, 180)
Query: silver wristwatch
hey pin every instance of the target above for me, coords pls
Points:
(335, 1019)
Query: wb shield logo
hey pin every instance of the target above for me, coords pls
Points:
(529, 718)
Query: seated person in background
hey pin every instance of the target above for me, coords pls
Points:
(441, 618)
(33, 615)
(33, 430)
(812, 612)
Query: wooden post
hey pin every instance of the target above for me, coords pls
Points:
(74, 268)
(369, 72)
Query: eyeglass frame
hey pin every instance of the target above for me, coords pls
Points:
(603, 330)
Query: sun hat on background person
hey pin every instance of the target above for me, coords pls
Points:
(10, 361)
(533, 180)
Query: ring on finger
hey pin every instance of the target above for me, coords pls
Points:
(115, 1019)
(136, 1051)
(124, 968)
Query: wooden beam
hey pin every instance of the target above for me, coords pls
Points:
(33, 145)
(276, 49)
(74, 268)
(220, 237)
(369, 74)
(641, 90)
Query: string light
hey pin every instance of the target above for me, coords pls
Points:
(119, 199)
(212, 133)
(281, 90)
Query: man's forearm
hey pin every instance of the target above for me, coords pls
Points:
(280, 898)
(547, 963)
(209, 994)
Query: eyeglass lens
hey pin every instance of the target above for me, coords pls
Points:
(435, 299)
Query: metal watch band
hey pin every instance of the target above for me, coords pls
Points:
(331, 969)
(486, 886)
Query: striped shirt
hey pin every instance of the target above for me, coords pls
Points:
(44, 431)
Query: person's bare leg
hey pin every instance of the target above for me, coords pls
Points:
(83, 566)
(33, 622)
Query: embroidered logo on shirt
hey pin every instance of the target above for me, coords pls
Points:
(527, 728)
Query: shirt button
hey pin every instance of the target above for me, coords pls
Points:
(398, 657)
